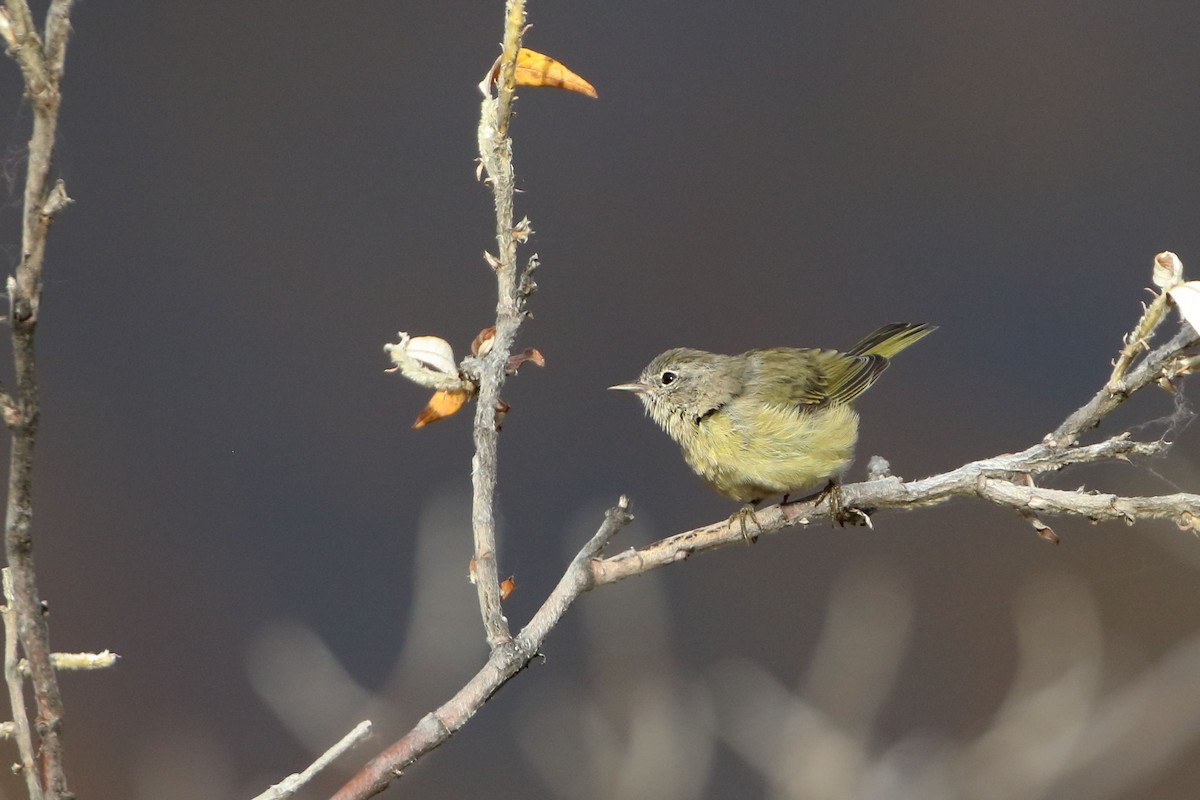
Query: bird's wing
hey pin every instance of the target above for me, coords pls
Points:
(809, 377)
(849, 376)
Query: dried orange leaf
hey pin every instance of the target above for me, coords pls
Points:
(506, 587)
(442, 404)
(535, 69)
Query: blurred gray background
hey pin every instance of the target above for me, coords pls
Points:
(230, 496)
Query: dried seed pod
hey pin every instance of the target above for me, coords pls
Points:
(428, 361)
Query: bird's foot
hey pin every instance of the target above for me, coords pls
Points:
(839, 513)
(740, 516)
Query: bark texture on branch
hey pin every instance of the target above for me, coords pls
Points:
(41, 62)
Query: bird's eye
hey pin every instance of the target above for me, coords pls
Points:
(668, 377)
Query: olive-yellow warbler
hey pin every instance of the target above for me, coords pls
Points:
(769, 421)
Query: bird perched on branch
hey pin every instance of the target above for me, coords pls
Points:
(770, 421)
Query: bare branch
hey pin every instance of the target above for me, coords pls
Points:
(25, 46)
(58, 28)
(42, 70)
(295, 782)
(42, 87)
(495, 153)
(15, 678)
(1157, 364)
(504, 662)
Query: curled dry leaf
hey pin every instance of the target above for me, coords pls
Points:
(1168, 270)
(1168, 276)
(433, 353)
(535, 69)
(427, 360)
(443, 403)
(530, 354)
(481, 345)
(506, 587)
(1043, 530)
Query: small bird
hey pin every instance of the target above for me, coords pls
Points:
(770, 421)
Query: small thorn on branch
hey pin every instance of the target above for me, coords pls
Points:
(56, 200)
(502, 409)
(526, 286)
(1121, 511)
(522, 230)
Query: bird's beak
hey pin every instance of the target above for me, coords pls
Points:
(630, 387)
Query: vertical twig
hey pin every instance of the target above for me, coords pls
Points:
(16, 691)
(42, 67)
(495, 152)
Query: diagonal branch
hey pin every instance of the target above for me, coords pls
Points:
(1157, 365)
(504, 662)
(295, 782)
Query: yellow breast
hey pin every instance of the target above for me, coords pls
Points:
(748, 450)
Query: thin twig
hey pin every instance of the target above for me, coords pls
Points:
(495, 153)
(58, 29)
(1155, 365)
(503, 663)
(42, 69)
(295, 782)
(16, 692)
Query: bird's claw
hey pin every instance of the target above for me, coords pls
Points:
(838, 511)
(746, 511)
